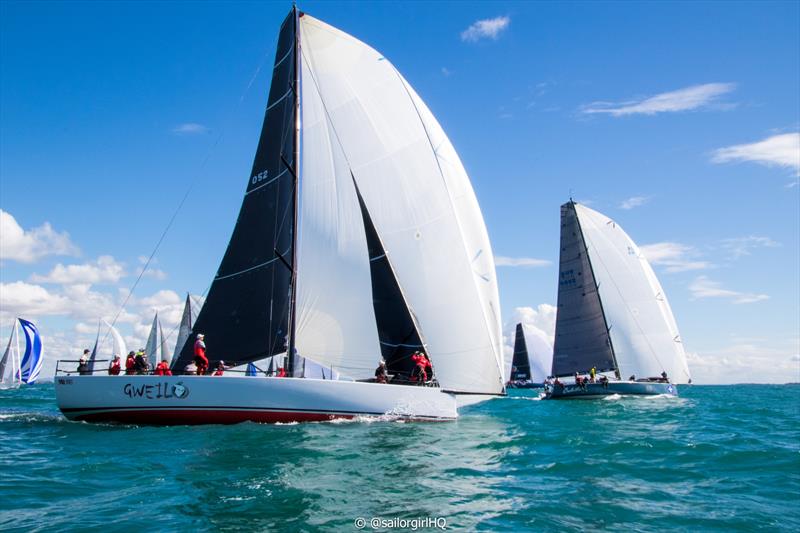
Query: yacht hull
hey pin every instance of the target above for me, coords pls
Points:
(179, 400)
(598, 390)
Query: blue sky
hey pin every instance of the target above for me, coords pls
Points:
(679, 120)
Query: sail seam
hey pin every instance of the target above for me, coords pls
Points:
(284, 57)
(246, 270)
(276, 102)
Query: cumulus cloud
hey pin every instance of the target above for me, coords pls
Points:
(674, 256)
(634, 201)
(539, 325)
(485, 29)
(777, 151)
(703, 287)
(27, 246)
(105, 270)
(501, 260)
(687, 99)
(189, 128)
(747, 361)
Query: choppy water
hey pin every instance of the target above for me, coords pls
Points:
(718, 458)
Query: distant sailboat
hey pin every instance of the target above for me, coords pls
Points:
(359, 238)
(613, 314)
(184, 330)
(521, 374)
(24, 366)
(156, 347)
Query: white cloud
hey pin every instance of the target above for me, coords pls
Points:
(687, 99)
(105, 270)
(17, 244)
(777, 151)
(742, 246)
(673, 256)
(500, 260)
(747, 361)
(485, 29)
(189, 128)
(634, 201)
(703, 287)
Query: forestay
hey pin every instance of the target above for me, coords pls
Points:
(421, 203)
(643, 330)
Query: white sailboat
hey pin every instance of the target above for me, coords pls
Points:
(613, 314)
(359, 238)
(156, 347)
(19, 366)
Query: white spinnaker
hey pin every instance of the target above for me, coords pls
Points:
(643, 330)
(428, 230)
(118, 346)
(335, 316)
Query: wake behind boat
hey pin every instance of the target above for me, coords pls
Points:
(613, 318)
(359, 239)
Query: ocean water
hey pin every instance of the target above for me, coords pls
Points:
(715, 459)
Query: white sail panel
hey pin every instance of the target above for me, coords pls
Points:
(643, 330)
(156, 347)
(10, 357)
(118, 346)
(387, 147)
(335, 316)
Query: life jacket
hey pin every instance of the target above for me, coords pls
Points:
(218, 372)
(281, 372)
(162, 369)
(130, 365)
(114, 369)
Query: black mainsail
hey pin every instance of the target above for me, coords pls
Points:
(582, 336)
(520, 364)
(246, 315)
(397, 329)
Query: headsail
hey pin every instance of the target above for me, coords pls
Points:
(10, 357)
(251, 292)
(582, 340)
(642, 327)
(418, 195)
(95, 349)
(118, 346)
(32, 360)
(184, 330)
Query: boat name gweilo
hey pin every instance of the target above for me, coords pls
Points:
(359, 238)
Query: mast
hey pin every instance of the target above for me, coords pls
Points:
(290, 352)
(597, 288)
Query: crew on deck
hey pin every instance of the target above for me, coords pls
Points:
(200, 359)
(592, 374)
(381, 375)
(162, 369)
(83, 364)
(130, 364)
(115, 366)
(140, 363)
(220, 368)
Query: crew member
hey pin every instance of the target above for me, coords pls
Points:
(664, 377)
(200, 359)
(419, 374)
(115, 367)
(140, 363)
(381, 376)
(592, 374)
(130, 364)
(162, 369)
(220, 368)
(281, 372)
(83, 366)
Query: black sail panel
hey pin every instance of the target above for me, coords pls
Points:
(520, 364)
(246, 313)
(582, 339)
(397, 330)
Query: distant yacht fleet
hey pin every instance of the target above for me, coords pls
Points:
(359, 279)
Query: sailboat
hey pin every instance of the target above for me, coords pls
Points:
(156, 347)
(22, 367)
(522, 375)
(184, 329)
(359, 239)
(117, 345)
(613, 315)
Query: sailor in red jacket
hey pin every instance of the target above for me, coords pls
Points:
(162, 369)
(200, 359)
(115, 367)
(130, 364)
(220, 368)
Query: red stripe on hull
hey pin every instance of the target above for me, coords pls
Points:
(167, 417)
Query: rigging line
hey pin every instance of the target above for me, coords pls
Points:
(192, 183)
